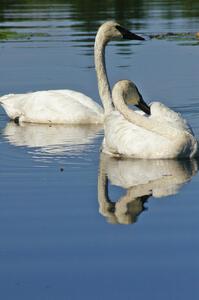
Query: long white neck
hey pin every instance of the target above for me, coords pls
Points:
(103, 84)
(157, 127)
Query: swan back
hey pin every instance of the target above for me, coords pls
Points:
(160, 112)
(53, 106)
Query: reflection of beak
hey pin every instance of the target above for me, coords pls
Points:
(129, 35)
(143, 106)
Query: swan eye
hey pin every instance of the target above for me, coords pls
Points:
(126, 34)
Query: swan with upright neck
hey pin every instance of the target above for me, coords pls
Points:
(67, 106)
(161, 134)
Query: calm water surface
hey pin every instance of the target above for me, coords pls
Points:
(75, 224)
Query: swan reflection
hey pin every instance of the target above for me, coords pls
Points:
(51, 139)
(141, 179)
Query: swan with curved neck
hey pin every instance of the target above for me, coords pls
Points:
(162, 134)
(66, 106)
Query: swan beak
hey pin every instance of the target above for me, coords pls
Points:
(144, 107)
(127, 35)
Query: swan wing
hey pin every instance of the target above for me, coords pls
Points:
(128, 140)
(161, 112)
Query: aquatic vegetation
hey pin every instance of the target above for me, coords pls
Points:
(175, 36)
(13, 35)
(184, 38)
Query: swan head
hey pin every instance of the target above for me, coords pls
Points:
(130, 95)
(112, 30)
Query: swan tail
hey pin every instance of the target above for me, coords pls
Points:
(3, 98)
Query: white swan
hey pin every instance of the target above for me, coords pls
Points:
(163, 134)
(141, 179)
(66, 106)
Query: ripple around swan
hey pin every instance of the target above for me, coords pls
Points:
(191, 109)
(190, 112)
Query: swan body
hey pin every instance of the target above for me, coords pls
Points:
(164, 134)
(57, 107)
(66, 106)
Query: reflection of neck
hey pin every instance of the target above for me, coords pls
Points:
(103, 84)
(126, 209)
(106, 207)
(157, 127)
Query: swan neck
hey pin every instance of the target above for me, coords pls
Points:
(100, 66)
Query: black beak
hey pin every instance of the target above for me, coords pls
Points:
(129, 35)
(143, 106)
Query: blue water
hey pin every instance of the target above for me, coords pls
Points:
(60, 237)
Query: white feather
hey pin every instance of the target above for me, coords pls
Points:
(58, 107)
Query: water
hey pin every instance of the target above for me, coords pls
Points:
(75, 224)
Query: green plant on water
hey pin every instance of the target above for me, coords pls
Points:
(175, 36)
(13, 35)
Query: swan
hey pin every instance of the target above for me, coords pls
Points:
(141, 179)
(164, 134)
(67, 106)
